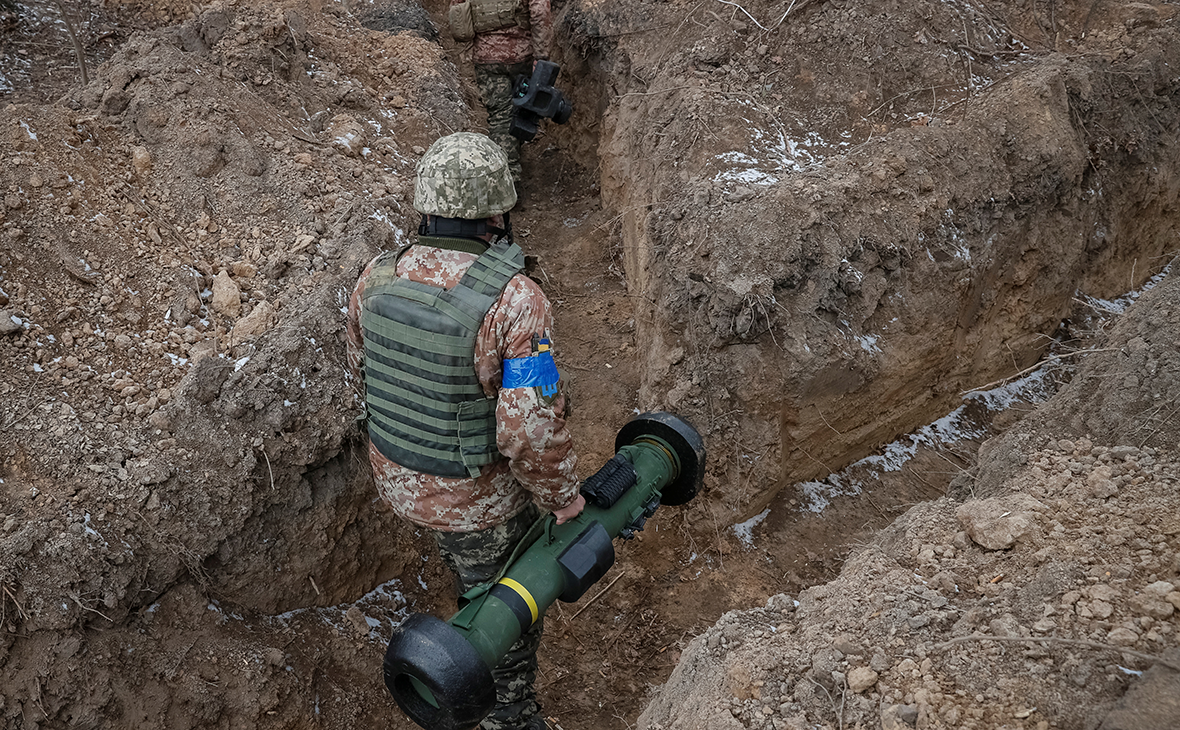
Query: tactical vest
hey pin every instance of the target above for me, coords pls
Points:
(426, 408)
(472, 17)
(489, 15)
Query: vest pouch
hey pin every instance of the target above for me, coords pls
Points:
(459, 18)
(477, 442)
(489, 15)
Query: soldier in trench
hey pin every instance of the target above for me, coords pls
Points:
(466, 416)
(508, 37)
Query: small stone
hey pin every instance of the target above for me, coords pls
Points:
(253, 324)
(1100, 483)
(1103, 592)
(1122, 637)
(1122, 452)
(879, 662)
(961, 541)
(1000, 522)
(10, 324)
(1101, 609)
(739, 195)
(160, 421)
(227, 297)
(1160, 588)
(347, 135)
(123, 342)
(141, 160)
(1150, 605)
(846, 645)
(243, 269)
(891, 718)
(1173, 598)
(861, 679)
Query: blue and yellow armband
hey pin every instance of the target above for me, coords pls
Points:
(536, 371)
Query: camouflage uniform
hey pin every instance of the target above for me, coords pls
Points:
(500, 56)
(477, 522)
(540, 461)
(495, 81)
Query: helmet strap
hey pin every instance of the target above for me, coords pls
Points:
(433, 225)
(507, 229)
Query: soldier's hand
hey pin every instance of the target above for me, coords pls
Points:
(565, 514)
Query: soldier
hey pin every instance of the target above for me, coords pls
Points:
(467, 435)
(508, 36)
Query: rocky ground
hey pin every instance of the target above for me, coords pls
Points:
(807, 238)
(1034, 596)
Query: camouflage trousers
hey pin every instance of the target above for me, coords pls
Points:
(495, 88)
(474, 558)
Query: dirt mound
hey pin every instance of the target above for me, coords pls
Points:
(179, 240)
(1125, 390)
(817, 225)
(841, 218)
(1070, 565)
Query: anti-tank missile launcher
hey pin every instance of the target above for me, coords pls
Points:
(440, 671)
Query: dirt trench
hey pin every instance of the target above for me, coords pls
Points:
(787, 293)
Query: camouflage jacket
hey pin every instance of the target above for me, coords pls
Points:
(531, 433)
(516, 44)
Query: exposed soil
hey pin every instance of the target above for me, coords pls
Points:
(1063, 546)
(807, 236)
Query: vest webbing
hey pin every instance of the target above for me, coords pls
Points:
(426, 408)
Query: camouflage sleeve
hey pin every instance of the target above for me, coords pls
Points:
(541, 28)
(354, 346)
(530, 419)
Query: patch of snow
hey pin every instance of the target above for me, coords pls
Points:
(745, 530)
(1120, 304)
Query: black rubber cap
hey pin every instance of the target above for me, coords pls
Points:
(684, 440)
(431, 651)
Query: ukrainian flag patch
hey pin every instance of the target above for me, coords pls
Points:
(538, 371)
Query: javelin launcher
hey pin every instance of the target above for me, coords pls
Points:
(440, 672)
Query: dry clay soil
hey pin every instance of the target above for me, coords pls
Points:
(189, 536)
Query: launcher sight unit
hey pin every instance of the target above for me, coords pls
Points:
(535, 98)
(440, 672)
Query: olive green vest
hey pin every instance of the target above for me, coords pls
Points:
(426, 408)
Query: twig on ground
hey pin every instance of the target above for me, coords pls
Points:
(598, 595)
(839, 711)
(271, 472)
(780, 20)
(1036, 365)
(553, 681)
(20, 610)
(84, 607)
(870, 498)
(1068, 642)
(183, 654)
(78, 52)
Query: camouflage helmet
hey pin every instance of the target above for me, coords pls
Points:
(464, 175)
